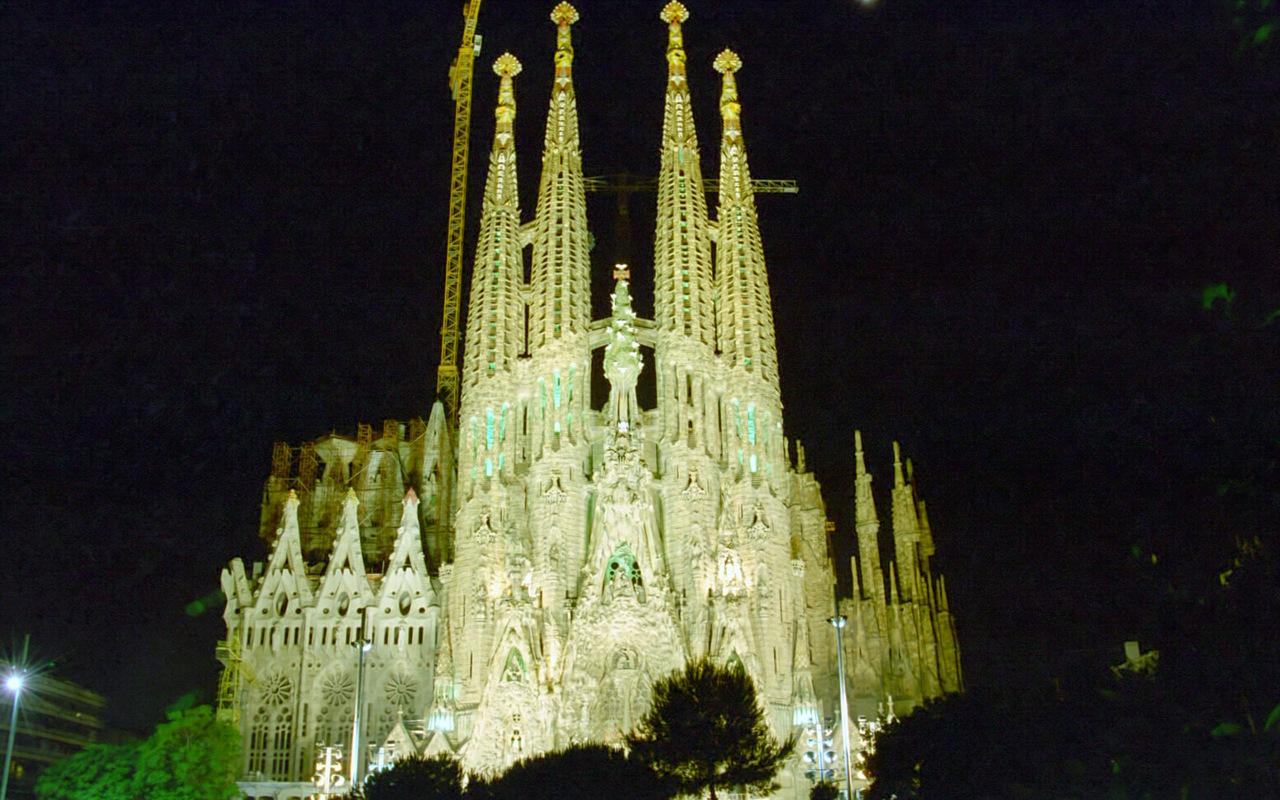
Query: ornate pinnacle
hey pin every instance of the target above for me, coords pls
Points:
(564, 15)
(507, 66)
(727, 62)
(673, 14)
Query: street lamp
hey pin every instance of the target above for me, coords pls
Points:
(364, 646)
(839, 622)
(14, 684)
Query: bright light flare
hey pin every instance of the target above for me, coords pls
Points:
(14, 682)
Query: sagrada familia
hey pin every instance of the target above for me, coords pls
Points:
(516, 585)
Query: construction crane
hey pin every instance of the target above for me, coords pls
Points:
(624, 184)
(460, 83)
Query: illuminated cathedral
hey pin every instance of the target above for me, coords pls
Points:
(516, 585)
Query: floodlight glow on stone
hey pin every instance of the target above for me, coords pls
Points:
(603, 542)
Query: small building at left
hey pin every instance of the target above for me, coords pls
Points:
(56, 719)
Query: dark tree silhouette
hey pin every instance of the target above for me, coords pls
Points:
(1200, 721)
(585, 772)
(824, 790)
(706, 730)
(415, 778)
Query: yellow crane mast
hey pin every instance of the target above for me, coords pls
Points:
(460, 82)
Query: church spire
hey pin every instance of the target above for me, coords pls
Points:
(745, 323)
(561, 305)
(868, 524)
(495, 316)
(906, 534)
(683, 286)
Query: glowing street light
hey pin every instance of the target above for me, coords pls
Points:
(14, 683)
(839, 622)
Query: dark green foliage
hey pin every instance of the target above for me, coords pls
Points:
(190, 757)
(193, 756)
(1202, 724)
(824, 790)
(416, 778)
(585, 772)
(706, 731)
(101, 771)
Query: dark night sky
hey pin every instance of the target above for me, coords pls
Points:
(223, 226)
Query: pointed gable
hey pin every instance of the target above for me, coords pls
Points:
(345, 573)
(285, 583)
(406, 585)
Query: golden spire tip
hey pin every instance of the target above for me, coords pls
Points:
(507, 66)
(727, 62)
(674, 12)
(564, 14)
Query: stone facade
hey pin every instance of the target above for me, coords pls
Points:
(521, 582)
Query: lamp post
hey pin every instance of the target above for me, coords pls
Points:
(14, 684)
(839, 622)
(363, 646)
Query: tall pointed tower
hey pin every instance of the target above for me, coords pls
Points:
(576, 553)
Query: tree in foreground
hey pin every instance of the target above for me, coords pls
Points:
(824, 790)
(193, 756)
(583, 772)
(101, 771)
(415, 778)
(706, 731)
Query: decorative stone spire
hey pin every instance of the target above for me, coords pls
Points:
(674, 13)
(622, 359)
(440, 717)
(495, 316)
(868, 524)
(865, 501)
(683, 286)
(906, 533)
(561, 270)
(564, 15)
(745, 323)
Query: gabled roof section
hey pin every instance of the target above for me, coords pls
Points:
(407, 568)
(286, 571)
(345, 571)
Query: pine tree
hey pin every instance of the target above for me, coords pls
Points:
(706, 730)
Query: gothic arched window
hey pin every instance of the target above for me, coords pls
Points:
(337, 695)
(271, 733)
(399, 700)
